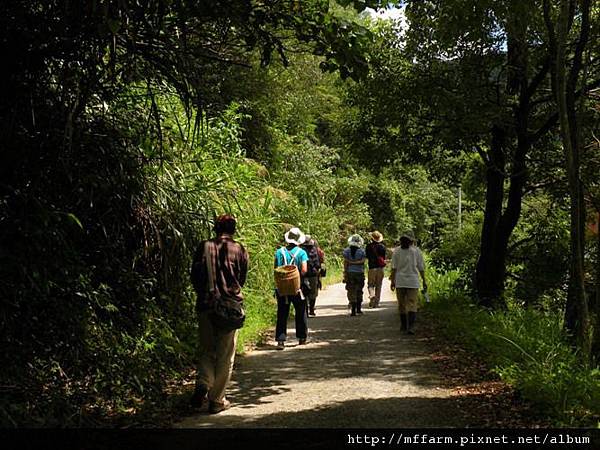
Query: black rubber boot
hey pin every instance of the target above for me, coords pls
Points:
(311, 308)
(353, 313)
(403, 322)
(358, 308)
(412, 317)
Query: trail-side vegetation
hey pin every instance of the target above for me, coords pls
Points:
(125, 128)
(524, 347)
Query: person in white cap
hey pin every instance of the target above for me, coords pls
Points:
(292, 252)
(354, 272)
(407, 265)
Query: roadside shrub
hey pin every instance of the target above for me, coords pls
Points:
(539, 255)
(529, 350)
(458, 250)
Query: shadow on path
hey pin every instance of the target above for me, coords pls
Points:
(355, 372)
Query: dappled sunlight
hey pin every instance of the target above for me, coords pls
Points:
(339, 412)
(349, 362)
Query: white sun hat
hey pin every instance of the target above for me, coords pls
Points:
(295, 236)
(355, 241)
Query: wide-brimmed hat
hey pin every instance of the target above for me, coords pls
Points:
(409, 235)
(377, 236)
(355, 241)
(295, 236)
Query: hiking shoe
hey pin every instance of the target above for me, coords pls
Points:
(199, 397)
(217, 407)
(280, 345)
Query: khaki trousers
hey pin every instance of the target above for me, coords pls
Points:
(407, 299)
(375, 280)
(216, 353)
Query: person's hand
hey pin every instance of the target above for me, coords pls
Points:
(393, 286)
(424, 287)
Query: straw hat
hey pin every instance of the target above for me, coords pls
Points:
(295, 236)
(355, 241)
(377, 236)
(409, 235)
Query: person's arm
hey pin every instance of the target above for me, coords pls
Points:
(360, 261)
(304, 264)
(393, 273)
(421, 268)
(356, 261)
(243, 267)
(275, 265)
(422, 272)
(198, 280)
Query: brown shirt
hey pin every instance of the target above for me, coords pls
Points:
(231, 268)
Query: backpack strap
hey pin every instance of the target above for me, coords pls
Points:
(296, 254)
(284, 252)
(209, 248)
(292, 256)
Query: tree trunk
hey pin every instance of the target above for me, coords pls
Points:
(491, 265)
(576, 311)
(596, 338)
(498, 225)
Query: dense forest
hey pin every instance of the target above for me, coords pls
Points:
(126, 127)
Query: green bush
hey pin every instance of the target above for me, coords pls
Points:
(459, 250)
(527, 349)
(539, 256)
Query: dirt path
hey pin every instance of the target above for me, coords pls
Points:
(356, 372)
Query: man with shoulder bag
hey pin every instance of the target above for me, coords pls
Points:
(219, 272)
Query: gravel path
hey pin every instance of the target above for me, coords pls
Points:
(356, 372)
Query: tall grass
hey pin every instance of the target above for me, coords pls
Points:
(526, 348)
(212, 176)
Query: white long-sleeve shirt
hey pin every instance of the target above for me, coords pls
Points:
(407, 262)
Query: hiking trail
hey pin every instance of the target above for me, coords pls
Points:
(355, 372)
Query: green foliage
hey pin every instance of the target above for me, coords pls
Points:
(540, 254)
(413, 200)
(443, 285)
(128, 127)
(529, 350)
(328, 193)
(109, 180)
(458, 250)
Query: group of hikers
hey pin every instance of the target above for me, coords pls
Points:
(219, 270)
